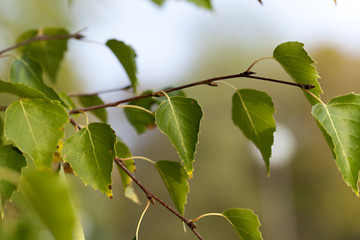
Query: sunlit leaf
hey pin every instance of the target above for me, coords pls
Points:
(245, 222)
(90, 153)
(88, 101)
(49, 53)
(11, 163)
(140, 119)
(26, 71)
(175, 178)
(299, 65)
(126, 55)
(122, 151)
(46, 196)
(179, 118)
(252, 112)
(20, 90)
(339, 121)
(35, 126)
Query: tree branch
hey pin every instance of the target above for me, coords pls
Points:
(210, 81)
(97, 93)
(42, 37)
(153, 198)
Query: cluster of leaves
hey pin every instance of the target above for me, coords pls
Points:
(33, 136)
(34, 148)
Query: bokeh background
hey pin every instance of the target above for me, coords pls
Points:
(305, 196)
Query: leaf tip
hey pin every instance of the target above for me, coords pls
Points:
(356, 192)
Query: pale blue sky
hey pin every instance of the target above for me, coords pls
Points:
(167, 39)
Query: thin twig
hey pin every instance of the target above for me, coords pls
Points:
(152, 197)
(76, 125)
(97, 93)
(210, 82)
(300, 85)
(43, 37)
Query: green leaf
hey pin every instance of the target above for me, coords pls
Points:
(49, 53)
(179, 118)
(339, 121)
(36, 126)
(122, 151)
(252, 112)
(202, 3)
(88, 101)
(158, 2)
(1, 130)
(138, 118)
(20, 90)
(175, 178)
(126, 55)
(67, 100)
(26, 71)
(90, 153)
(245, 222)
(11, 163)
(46, 196)
(299, 65)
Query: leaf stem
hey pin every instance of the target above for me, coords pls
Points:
(314, 96)
(140, 220)
(153, 198)
(206, 215)
(139, 157)
(43, 37)
(255, 62)
(136, 107)
(229, 85)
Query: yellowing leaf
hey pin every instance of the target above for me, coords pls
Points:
(90, 153)
(36, 126)
(122, 151)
